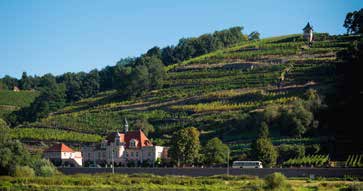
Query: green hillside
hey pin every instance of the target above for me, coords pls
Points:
(219, 93)
(11, 100)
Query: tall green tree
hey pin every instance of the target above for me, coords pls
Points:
(146, 74)
(215, 152)
(154, 52)
(139, 81)
(167, 55)
(262, 148)
(12, 153)
(9, 82)
(90, 84)
(156, 72)
(354, 22)
(185, 146)
(295, 120)
(254, 36)
(25, 82)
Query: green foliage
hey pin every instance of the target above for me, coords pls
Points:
(215, 152)
(52, 135)
(354, 21)
(254, 36)
(15, 160)
(23, 171)
(294, 119)
(143, 123)
(354, 187)
(276, 181)
(17, 99)
(225, 93)
(149, 182)
(8, 82)
(185, 146)
(287, 152)
(51, 98)
(310, 160)
(44, 168)
(262, 148)
(192, 47)
(355, 160)
(146, 74)
(12, 153)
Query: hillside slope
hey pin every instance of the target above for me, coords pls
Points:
(214, 92)
(12, 101)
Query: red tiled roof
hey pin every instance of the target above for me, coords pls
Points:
(59, 148)
(138, 135)
(141, 138)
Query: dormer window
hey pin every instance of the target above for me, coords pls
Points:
(133, 143)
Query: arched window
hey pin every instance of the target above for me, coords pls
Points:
(133, 143)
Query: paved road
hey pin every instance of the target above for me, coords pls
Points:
(289, 172)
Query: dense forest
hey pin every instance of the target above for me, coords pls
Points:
(276, 99)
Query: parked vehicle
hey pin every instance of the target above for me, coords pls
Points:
(247, 164)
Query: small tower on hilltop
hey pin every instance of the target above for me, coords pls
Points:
(126, 126)
(308, 33)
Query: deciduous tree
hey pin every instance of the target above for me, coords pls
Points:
(215, 152)
(185, 146)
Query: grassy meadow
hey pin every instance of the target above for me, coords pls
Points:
(103, 182)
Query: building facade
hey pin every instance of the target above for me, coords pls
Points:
(121, 149)
(62, 155)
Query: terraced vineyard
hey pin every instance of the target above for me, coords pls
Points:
(214, 90)
(12, 101)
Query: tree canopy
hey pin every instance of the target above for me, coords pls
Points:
(354, 22)
(185, 146)
(262, 148)
(215, 152)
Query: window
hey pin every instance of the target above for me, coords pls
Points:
(133, 143)
(149, 154)
(137, 154)
(132, 154)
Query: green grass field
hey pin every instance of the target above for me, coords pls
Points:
(103, 182)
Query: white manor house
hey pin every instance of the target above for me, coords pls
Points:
(121, 149)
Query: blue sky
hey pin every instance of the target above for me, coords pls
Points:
(45, 36)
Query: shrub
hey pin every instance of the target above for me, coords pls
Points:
(276, 181)
(23, 171)
(47, 171)
(354, 187)
(43, 167)
(5, 185)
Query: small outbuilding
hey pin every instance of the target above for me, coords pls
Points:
(62, 155)
(308, 33)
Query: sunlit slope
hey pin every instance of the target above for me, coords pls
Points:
(12, 101)
(212, 91)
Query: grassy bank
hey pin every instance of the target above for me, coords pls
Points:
(152, 182)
